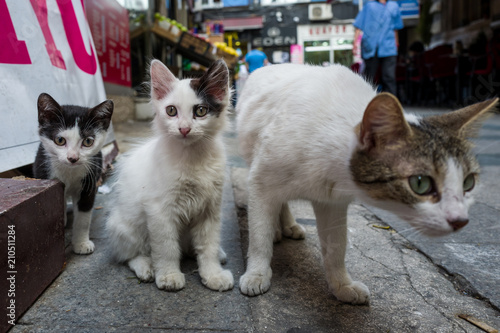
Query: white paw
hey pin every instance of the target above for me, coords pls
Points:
(142, 269)
(171, 282)
(295, 232)
(354, 293)
(146, 275)
(221, 282)
(252, 284)
(86, 247)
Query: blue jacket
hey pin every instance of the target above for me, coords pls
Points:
(378, 22)
(255, 59)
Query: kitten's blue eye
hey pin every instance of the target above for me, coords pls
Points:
(200, 111)
(171, 111)
(88, 142)
(60, 141)
(421, 185)
(469, 182)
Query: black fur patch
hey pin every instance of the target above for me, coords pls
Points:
(53, 118)
(212, 87)
(89, 188)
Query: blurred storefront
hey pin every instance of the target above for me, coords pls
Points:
(326, 43)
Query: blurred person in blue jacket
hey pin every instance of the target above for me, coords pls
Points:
(379, 21)
(255, 59)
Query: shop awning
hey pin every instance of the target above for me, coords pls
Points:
(243, 23)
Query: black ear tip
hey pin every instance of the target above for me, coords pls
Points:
(110, 103)
(44, 97)
(219, 63)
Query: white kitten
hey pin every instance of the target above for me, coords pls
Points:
(169, 190)
(322, 134)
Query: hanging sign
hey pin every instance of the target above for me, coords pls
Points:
(108, 22)
(409, 8)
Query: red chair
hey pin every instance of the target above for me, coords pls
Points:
(482, 70)
(401, 76)
(417, 77)
(441, 67)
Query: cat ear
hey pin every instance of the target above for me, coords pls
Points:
(383, 122)
(48, 109)
(102, 113)
(467, 121)
(215, 81)
(162, 80)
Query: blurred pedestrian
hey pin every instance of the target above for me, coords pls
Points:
(255, 59)
(379, 21)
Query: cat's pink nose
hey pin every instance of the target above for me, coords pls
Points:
(458, 223)
(73, 159)
(185, 131)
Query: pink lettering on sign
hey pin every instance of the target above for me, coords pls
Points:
(40, 8)
(86, 62)
(12, 50)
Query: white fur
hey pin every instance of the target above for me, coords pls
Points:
(296, 127)
(168, 196)
(71, 174)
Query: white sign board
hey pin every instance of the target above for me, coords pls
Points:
(45, 46)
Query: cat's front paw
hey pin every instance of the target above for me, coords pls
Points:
(354, 293)
(253, 284)
(222, 281)
(86, 247)
(295, 231)
(171, 282)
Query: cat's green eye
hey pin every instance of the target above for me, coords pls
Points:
(469, 182)
(171, 111)
(88, 142)
(421, 185)
(200, 111)
(60, 141)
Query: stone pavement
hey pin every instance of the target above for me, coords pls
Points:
(414, 287)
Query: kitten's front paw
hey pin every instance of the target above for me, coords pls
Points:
(171, 282)
(222, 281)
(86, 247)
(354, 293)
(295, 231)
(252, 284)
(142, 268)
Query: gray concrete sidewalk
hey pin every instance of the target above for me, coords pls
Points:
(409, 292)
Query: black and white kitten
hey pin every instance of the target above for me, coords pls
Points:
(70, 150)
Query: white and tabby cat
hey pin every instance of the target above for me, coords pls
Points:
(169, 190)
(323, 135)
(70, 150)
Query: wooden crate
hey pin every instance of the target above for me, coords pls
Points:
(193, 44)
(170, 35)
